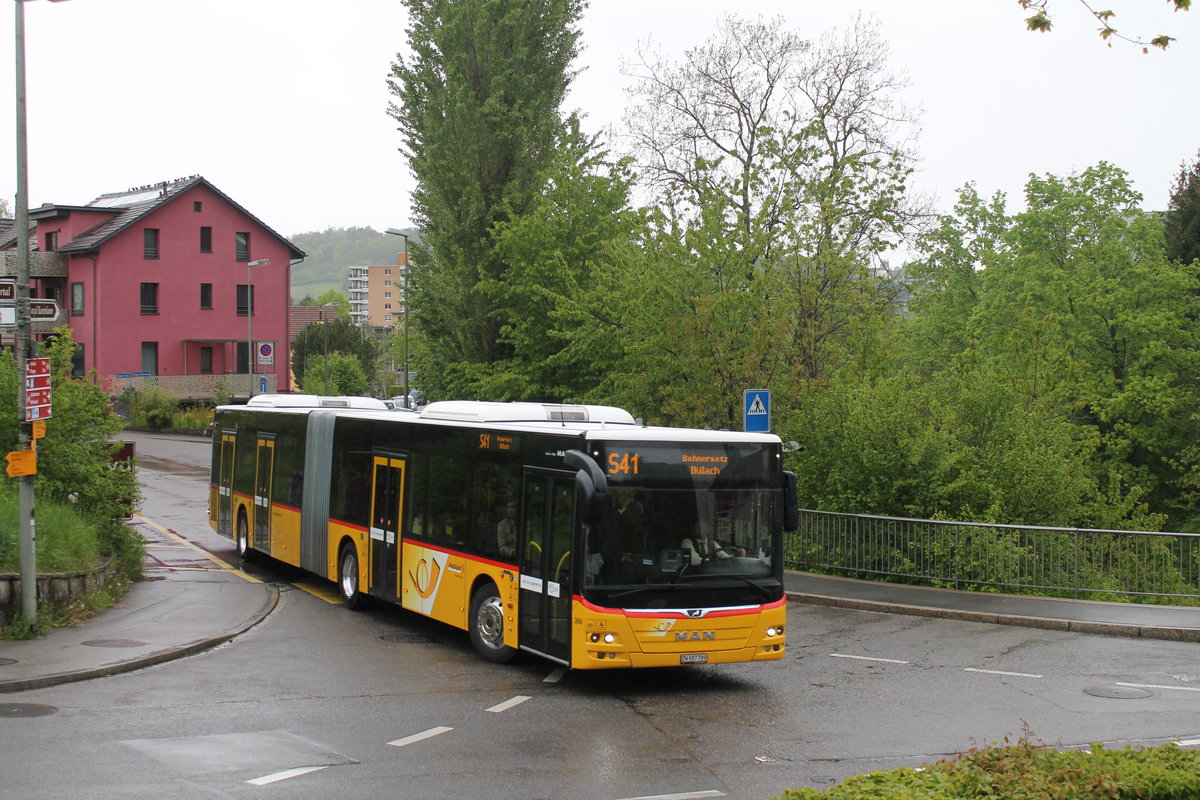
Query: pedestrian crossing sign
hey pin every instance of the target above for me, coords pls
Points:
(756, 410)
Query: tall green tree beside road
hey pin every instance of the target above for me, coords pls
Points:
(780, 169)
(477, 99)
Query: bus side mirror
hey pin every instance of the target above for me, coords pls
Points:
(791, 510)
(591, 487)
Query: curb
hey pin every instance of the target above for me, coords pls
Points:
(150, 659)
(1046, 623)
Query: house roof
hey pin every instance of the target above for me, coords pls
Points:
(130, 206)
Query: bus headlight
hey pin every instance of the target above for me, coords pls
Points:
(775, 630)
(609, 638)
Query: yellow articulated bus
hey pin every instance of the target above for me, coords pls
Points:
(569, 531)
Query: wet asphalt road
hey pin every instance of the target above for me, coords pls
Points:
(321, 701)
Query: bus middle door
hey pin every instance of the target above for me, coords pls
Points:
(264, 469)
(387, 504)
(544, 613)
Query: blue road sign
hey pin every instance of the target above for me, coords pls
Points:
(756, 410)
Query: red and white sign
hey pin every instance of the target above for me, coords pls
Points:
(266, 354)
(37, 389)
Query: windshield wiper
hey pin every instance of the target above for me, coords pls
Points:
(638, 590)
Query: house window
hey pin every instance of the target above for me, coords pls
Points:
(206, 295)
(242, 240)
(150, 242)
(77, 363)
(205, 239)
(197, 206)
(206, 359)
(77, 299)
(51, 241)
(245, 300)
(149, 298)
(150, 357)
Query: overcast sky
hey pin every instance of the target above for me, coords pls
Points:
(282, 103)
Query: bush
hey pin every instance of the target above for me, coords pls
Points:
(155, 408)
(1026, 771)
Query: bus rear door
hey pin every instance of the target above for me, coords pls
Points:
(225, 483)
(544, 614)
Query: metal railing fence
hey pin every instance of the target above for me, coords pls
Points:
(1074, 562)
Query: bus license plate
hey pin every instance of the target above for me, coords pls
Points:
(693, 658)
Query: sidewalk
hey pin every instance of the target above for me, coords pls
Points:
(193, 602)
(189, 602)
(1176, 623)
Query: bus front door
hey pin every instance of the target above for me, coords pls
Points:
(264, 468)
(225, 484)
(544, 613)
(387, 504)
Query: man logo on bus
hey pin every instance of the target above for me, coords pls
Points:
(695, 613)
(695, 636)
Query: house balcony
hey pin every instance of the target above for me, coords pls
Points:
(41, 265)
(195, 387)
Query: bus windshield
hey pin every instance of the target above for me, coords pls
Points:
(686, 527)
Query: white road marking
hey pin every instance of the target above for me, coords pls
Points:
(1156, 686)
(507, 704)
(283, 776)
(420, 737)
(1188, 743)
(679, 796)
(868, 658)
(555, 676)
(999, 672)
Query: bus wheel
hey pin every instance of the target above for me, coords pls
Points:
(348, 577)
(243, 539)
(487, 625)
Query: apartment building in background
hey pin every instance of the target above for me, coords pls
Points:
(377, 294)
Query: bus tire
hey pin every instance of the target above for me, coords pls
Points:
(244, 551)
(348, 577)
(486, 625)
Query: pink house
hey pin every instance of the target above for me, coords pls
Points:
(166, 284)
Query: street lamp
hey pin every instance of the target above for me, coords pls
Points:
(325, 330)
(404, 295)
(26, 532)
(262, 262)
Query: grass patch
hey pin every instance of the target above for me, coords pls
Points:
(67, 542)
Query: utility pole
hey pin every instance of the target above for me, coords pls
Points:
(27, 529)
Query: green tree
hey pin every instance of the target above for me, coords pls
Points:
(335, 374)
(1074, 308)
(477, 100)
(559, 254)
(780, 170)
(335, 335)
(1182, 220)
